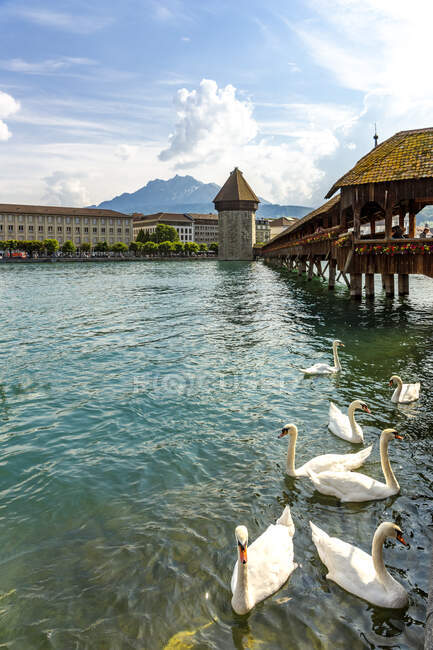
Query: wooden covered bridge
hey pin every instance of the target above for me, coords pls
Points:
(352, 234)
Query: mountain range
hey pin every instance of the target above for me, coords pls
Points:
(186, 194)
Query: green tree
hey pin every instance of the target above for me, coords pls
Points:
(165, 247)
(203, 248)
(191, 247)
(143, 236)
(101, 247)
(85, 247)
(68, 247)
(150, 248)
(179, 247)
(51, 246)
(119, 247)
(134, 246)
(164, 233)
(213, 247)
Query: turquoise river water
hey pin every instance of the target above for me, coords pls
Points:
(140, 406)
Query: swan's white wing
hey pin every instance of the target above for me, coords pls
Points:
(349, 486)
(319, 369)
(335, 462)
(339, 425)
(410, 392)
(353, 569)
(342, 559)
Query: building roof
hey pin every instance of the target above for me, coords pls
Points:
(282, 221)
(236, 188)
(13, 208)
(198, 217)
(162, 217)
(406, 155)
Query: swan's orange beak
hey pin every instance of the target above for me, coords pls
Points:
(401, 539)
(243, 553)
(398, 436)
(283, 433)
(390, 384)
(366, 409)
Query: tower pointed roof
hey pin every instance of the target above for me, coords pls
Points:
(236, 194)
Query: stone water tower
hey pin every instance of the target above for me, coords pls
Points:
(236, 204)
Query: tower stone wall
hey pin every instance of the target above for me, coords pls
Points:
(236, 204)
(237, 234)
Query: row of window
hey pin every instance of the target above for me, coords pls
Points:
(41, 218)
(60, 229)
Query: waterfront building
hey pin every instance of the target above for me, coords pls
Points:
(205, 227)
(263, 230)
(200, 228)
(279, 225)
(79, 225)
(183, 223)
(236, 204)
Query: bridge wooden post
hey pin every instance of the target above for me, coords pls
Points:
(310, 269)
(357, 221)
(369, 285)
(412, 224)
(356, 285)
(301, 267)
(388, 222)
(332, 272)
(403, 284)
(389, 284)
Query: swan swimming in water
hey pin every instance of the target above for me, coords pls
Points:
(336, 462)
(404, 393)
(361, 574)
(264, 567)
(324, 368)
(344, 426)
(353, 486)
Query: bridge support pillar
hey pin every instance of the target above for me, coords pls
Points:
(356, 285)
(302, 267)
(310, 269)
(332, 271)
(389, 284)
(383, 281)
(403, 284)
(369, 285)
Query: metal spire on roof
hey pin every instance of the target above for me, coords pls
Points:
(375, 137)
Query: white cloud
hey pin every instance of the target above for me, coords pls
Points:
(293, 67)
(8, 106)
(66, 190)
(216, 131)
(49, 66)
(380, 48)
(209, 120)
(75, 23)
(126, 151)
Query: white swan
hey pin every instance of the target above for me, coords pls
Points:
(336, 462)
(267, 565)
(359, 573)
(324, 368)
(352, 486)
(344, 426)
(404, 393)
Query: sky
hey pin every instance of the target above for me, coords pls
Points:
(97, 98)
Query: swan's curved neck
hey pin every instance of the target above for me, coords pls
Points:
(390, 479)
(291, 471)
(377, 555)
(337, 363)
(399, 385)
(241, 595)
(351, 414)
